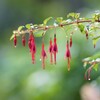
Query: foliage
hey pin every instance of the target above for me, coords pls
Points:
(73, 23)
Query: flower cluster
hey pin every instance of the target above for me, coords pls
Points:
(53, 49)
(74, 21)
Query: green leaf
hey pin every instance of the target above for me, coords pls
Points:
(28, 26)
(85, 64)
(38, 33)
(12, 36)
(94, 43)
(68, 20)
(91, 34)
(70, 28)
(77, 15)
(46, 20)
(95, 67)
(71, 15)
(40, 25)
(96, 16)
(97, 37)
(86, 59)
(95, 40)
(92, 20)
(59, 19)
(20, 28)
(74, 15)
(81, 27)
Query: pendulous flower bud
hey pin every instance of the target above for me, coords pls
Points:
(15, 40)
(51, 51)
(43, 56)
(71, 41)
(68, 55)
(23, 41)
(55, 48)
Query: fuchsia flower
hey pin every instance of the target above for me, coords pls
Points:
(15, 40)
(43, 56)
(51, 51)
(68, 55)
(55, 49)
(86, 32)
(71, 41)
(29, 42)
(32, 47)
(23, 41)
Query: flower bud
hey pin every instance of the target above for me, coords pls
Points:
(15, 40)
(23, 41)
(43, 56)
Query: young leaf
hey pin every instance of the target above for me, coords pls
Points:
(74, 15)
(28, 26)
(96, 16)
(85, 64)
(81, 27)
(12, 36)
(71, 15)
(59, 19)
(77, 15)
(38, 33)
(95, 67)
(46, 20)
(87, 59)
(20, 28)
(95, 40)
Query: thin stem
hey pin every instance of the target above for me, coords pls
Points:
(49, 27)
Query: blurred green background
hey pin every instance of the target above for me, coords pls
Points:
(19, 78)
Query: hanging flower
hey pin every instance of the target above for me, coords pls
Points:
(15, 40)
(55, 48)
(43, 56)
(23, 41)
(51, 51)
(71, 41)
(68, 55)
(29, 41)
(86, 32)
(33, 49)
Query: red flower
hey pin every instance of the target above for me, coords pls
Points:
(15, 40)
(55, 48)
(23, 41)
(86, 32)
(32, 47)
(29, 42)
(71, 41)
(51, 51)
(43, 56)
(68, 55)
